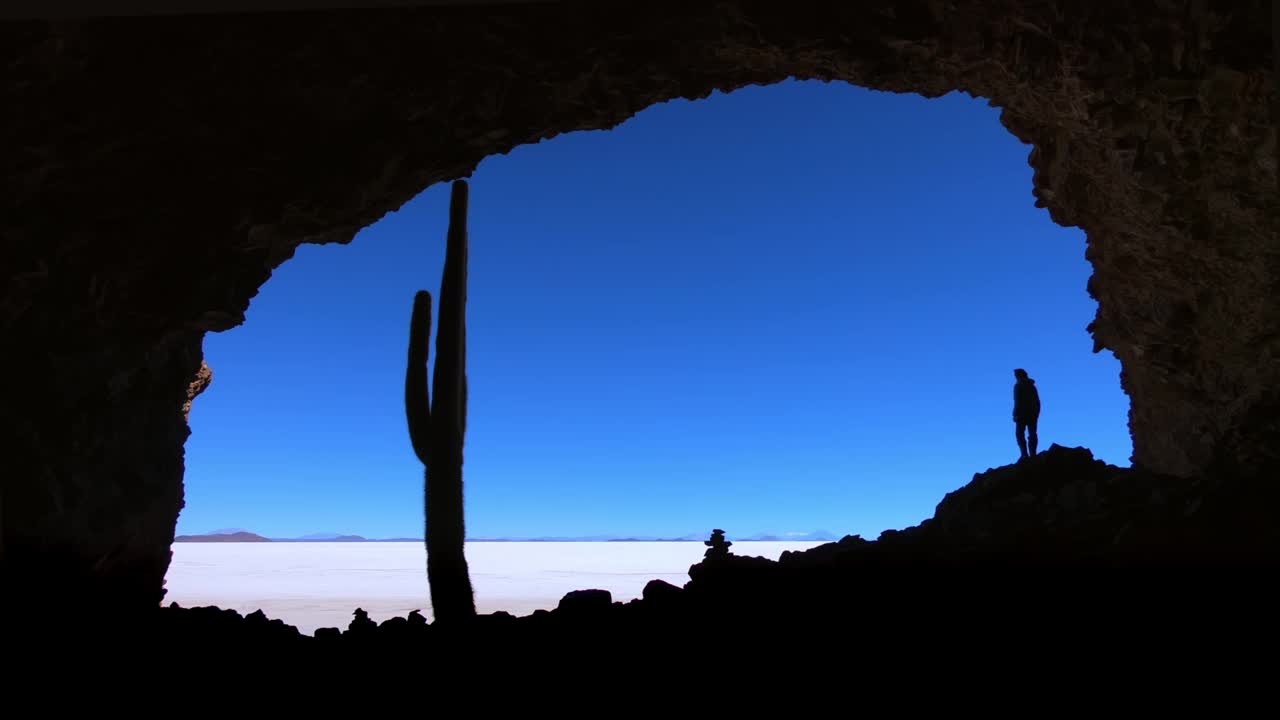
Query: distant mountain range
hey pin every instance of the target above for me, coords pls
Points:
(233, 536)
(240, 535)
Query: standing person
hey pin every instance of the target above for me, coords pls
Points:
(1026, 412)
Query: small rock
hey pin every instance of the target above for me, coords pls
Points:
(361, 622)
(660, 592)
(393, 623)
(585, 601)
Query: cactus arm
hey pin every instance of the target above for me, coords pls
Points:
(417, 397)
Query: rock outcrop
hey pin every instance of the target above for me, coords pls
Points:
(157, 170)
(1044, 562)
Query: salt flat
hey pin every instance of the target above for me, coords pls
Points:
(319, 584)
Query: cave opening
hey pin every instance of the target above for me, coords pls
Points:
(783, 310)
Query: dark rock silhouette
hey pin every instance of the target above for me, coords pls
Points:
(438, 429)
(361, 624)
(660, 592)
(1056, 561)
(582, 602)
(717, 546)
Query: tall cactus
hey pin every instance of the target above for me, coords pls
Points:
(437, 429)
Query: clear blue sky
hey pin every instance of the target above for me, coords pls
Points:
(784, 309)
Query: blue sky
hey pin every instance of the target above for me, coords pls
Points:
(783, 309)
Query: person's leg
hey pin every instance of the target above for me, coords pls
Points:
(1019, 427)
(1032, 438)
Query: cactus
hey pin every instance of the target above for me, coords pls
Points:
(437, 429)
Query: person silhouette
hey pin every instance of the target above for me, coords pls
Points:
(1026, 412)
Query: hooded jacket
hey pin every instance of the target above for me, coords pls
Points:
(1026, 401)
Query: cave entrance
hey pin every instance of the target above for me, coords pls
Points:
(780, 310)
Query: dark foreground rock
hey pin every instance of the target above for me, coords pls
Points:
(156, 172)
(1046, 561)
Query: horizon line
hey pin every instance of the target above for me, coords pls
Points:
(815, 535)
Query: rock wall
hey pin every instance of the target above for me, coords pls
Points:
(157, 170)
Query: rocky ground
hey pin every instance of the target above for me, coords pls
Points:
(1058, 555)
